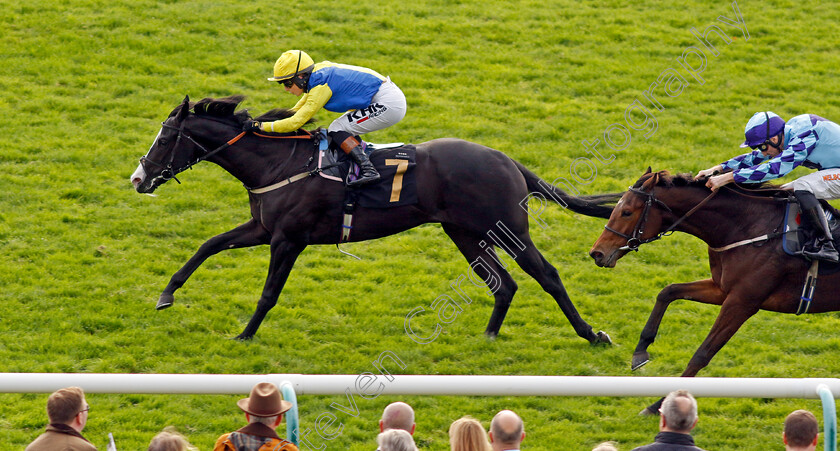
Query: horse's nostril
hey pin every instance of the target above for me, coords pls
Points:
(596, 255)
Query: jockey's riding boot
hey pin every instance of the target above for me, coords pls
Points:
(823, 247)
(353, 147)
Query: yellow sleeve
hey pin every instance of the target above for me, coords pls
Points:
(301, 101)
(221, 443)
(312, 101)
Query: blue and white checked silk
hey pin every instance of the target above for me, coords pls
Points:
(810, 140)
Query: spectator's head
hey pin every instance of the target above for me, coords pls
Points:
(68, 406)
(264, 405)
(170, 440)
(606, 446)
(678, 412)
(397, 415)
(801, 430)
(467, 434)
(506, 430)
(395, 440)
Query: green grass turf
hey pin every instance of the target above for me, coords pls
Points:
(85, 84)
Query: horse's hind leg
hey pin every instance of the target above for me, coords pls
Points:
(486, 266)
(533, 263)
(705, 291)
(246, 235)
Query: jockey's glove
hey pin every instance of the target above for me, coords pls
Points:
(252, 126)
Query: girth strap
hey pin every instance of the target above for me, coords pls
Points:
(283, 183)
(744, 242)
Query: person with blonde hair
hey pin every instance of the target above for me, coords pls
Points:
(605, 446)
(467, 434)
(170, 440)
(396, 440)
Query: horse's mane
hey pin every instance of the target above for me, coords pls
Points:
(277, 114)
(225, 108)
(668, 180)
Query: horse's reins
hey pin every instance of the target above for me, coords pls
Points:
(758, 239)
(635, 240)
(168, 172)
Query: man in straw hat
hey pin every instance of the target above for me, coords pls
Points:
(264, 411)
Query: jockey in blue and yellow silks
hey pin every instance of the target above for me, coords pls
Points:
(368, 100)
(778, 148)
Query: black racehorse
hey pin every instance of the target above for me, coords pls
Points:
(468, 188)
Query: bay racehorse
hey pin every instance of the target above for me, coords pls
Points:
(747, 275)
(468, 188)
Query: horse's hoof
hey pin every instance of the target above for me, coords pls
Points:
(243, 337)
(601, 338)
(165, 300)
(639, 360)
(646, 412)
(491, 336)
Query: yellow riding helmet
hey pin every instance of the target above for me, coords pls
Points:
(291, 63)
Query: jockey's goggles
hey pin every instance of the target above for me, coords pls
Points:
(763, 146)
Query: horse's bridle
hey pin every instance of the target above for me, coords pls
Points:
(635, 240)
(168, 172)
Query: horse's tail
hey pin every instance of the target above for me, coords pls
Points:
(593, 205)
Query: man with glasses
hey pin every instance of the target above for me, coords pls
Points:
(778, 148)
(67, 411)
(368, 101)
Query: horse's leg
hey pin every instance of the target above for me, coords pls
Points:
(499, 281)
(705, 291)
(283, 257)
(533, 263)
(246, 235)
(733, 314)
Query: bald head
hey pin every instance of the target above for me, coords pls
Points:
(397, 415)
(679, 412)
(506, 430)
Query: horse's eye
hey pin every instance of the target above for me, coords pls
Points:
(626, 213)
(162, 141)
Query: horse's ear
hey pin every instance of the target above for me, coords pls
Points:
(185, 108)
(648, 170)
(651, 181)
